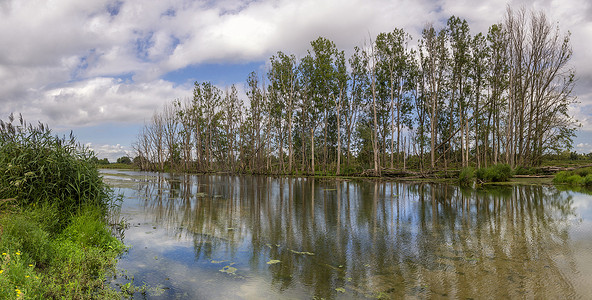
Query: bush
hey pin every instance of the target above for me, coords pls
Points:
(583, 172)
(561, 177)
(520, 170)
(124, 160)
(38, 167)
(466, 176)
(54, 239)
(71, 265)
(578, 177)
(574, 180)
(495, 173)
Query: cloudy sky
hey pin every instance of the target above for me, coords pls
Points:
(102, 67)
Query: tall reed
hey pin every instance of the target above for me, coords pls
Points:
(38, 167)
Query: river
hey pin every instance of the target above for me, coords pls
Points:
(257, 237)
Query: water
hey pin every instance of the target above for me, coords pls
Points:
(252, 237)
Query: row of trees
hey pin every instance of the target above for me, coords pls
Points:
(454, 100)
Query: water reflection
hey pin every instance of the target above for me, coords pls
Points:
(351, 239)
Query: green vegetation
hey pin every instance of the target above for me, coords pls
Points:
(466, 176)
(458, 99)
(54, 238)
(124, 160)
(495, 173)
(118, 166)
(577, 177)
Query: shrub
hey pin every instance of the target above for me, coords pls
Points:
(54, 239)
(466, 176)
(583, 172)
(38, 167)
(520, 170)
(577, 177)
(574, 180)
(561, 177)
(495, 173)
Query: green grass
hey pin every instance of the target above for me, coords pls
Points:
(466, 176)
(72, 264)
(495, 173)
(119, 166)
(578, 177)
(55, 242)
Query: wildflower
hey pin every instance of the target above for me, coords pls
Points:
(27, 276)
(30, 265)
(1, 271)
(3, 253)
(18, 253)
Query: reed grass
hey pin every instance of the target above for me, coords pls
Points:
(54, 239)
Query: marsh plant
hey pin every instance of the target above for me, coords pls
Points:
(495, 173)
(39, 167)
(577, 177)
(54, 238)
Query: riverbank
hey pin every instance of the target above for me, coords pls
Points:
(55, 242)
(40, 261)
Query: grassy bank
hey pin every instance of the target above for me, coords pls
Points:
(54, 239)
(578, 177)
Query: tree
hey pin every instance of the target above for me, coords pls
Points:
(433, 60)
(394, 60)
(358, 88)
(540, 88)
(460, 41)
(124, 160)
(283, 88)
(255, 121)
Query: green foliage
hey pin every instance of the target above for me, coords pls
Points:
(495, 173)
(18, 278)
(54, 239)
(38, 167)
(583, 172)
(352, 170)
(97, 161)
(22, 233)
(560, 177)
(520, 170)
(124, 160)
(466, 176)
(88, 229)
(44, 265)
(577, 177)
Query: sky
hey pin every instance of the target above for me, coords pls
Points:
(101, 68)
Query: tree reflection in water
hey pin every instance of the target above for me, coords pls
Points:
(375, 239)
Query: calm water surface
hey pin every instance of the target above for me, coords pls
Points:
(250, 237)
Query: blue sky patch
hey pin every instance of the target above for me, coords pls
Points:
(219, 74)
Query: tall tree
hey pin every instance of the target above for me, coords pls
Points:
(283, 77)
(394, 59)
(433, 60)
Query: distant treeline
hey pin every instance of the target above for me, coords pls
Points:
(455, 100)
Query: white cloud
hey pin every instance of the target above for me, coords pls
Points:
(60, 60)
(102, 99)
(111, 152)
(584, 148)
